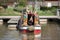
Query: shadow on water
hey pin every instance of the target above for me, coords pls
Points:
(5, 22)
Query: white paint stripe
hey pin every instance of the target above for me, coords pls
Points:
(37, 28)
(27, 28)
(23, 27)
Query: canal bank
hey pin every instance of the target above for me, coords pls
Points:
(14, 19)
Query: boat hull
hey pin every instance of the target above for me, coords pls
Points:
(36, 30)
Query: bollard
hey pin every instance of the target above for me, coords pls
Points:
(12, 27)
(1, 22)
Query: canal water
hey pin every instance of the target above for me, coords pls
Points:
(50, 31)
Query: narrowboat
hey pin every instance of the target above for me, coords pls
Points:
(29, 22)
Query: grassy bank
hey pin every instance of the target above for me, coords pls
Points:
(9, 12)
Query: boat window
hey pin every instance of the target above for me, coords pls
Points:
(30, 19)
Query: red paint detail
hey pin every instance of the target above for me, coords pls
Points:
(37, 31)
(24, 31)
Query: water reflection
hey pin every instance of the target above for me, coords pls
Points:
(6, 34)
(51, 31)
(30, 36)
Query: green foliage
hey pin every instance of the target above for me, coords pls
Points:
(9, 12)
(19, 8)
(1, 3)
(22, 2)
(48, 8)
(45, 11)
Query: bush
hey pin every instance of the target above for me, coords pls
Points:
(22, 4)
(19, 8)
(48, 8)
(48, 11)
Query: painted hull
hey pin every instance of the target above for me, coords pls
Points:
(36, 30)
